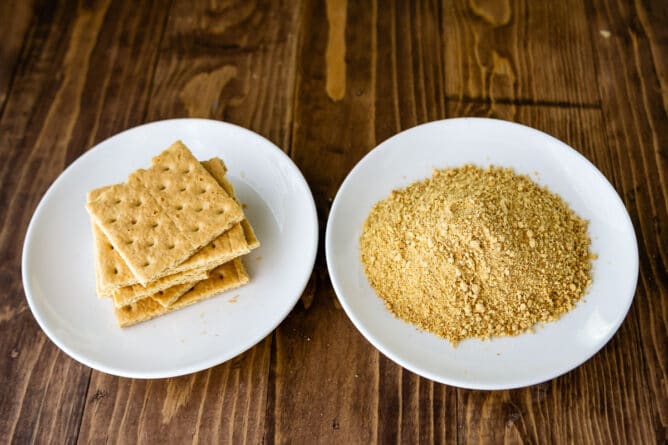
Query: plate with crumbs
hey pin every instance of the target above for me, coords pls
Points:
(58, 260)
(553, 348)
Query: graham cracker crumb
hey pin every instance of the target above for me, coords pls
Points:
(474, 252)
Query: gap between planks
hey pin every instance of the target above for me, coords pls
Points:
(154, 65)
(522, 102)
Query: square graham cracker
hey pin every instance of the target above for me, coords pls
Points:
(195, 202)
(228, 276)
(163, 215)
(139, 231)
(112, 272)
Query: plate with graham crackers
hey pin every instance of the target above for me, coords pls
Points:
(170, 248)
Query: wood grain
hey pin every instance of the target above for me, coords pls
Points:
(15, 20)
(632, 75)
(117, 90)
(327, 80)
(585, 405)
(519, 50)
(330, 385)
(233, 62)
(409, 85)
(224, 404)
(54, 94)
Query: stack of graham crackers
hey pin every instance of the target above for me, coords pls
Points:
(172, 235)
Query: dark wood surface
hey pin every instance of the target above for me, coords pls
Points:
(327, 81)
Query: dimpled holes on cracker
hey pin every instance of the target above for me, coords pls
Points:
(139, 231)
(216, 167)
(167, 297)
(112, 272)
(237, 241)
(192, 198)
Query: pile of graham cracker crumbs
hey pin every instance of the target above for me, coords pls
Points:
(476, 252)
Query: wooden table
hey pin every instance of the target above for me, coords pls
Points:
(327, 81)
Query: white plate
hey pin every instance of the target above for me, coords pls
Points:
(502, 362)
(58, 271)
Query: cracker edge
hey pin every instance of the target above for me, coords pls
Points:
(155, 309)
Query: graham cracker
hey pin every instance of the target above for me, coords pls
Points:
(129, 294)
(110, 269)
(97, 255)
(92, 195)
(142, 234)
(251, 239)
(194, 201)
(218, 170)
(112, 272)
(98, 290)
(228, 276)
(176, 196)
(216, 167)
(168, 296)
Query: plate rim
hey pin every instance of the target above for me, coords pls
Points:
(197, 366)
(449, 380)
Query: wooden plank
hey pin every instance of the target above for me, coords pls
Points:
(230, 61)
(632, 53)
(519, 50)
(224, 404)
(15, 20)
(331, 386)
(116, 94)
(49, 117)
(394, 80)
(85, 72)
(366, 72)
(606, 400)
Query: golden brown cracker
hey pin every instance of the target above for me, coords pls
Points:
(113, 272)
(129, 294)
(168, 296)
(110, 270)
(216, 167)
(195, 202)
(140, 232)
(228, 276)
(249, 234)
